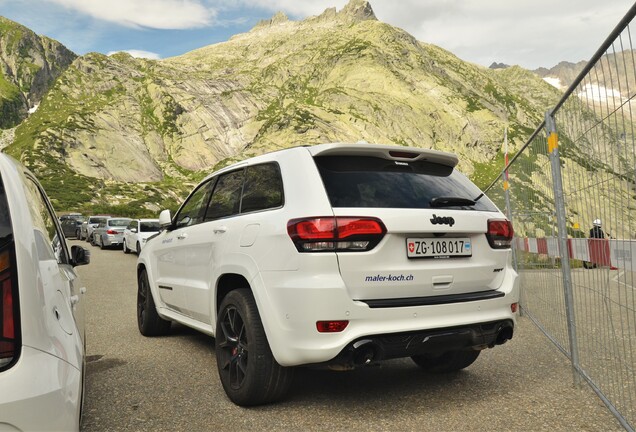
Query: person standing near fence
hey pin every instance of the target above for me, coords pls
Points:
(596, 232)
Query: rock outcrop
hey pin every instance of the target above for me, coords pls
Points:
(29, 64)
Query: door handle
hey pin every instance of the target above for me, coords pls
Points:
(74, 299)
(182, 236)
(219, 230)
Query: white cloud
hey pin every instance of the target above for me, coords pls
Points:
(295, 8)
(158, 14)
(138, 54)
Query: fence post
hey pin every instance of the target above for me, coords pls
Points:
(506, 187)
(562, 234)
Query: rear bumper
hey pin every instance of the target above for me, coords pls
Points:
(295, 303)
(112, 240)
(40, 392)
(397, 345)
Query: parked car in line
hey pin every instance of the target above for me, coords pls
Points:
(70, 216)
(72, 226)
(42, 357)
(336, 255)
(137, 234)
(86, 230)
(110, 233)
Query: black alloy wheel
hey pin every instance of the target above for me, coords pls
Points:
(247, 368)
(235, 347)
(148, 321)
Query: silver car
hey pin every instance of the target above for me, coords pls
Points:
(110, 232)
(88, 226)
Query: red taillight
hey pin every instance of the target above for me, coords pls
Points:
(314, 229)
(111, 231)
(328, 234)
(499, 233)
(348, 227)
(8, 318)
(331, 326)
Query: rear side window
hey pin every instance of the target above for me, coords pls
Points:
(118, 222)
(263, 188)
(361, 181)
(149, 226)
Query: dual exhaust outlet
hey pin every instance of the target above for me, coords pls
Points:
(366, 351)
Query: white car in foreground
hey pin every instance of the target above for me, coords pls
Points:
(336, 255)
(137, 234)
(42, 357)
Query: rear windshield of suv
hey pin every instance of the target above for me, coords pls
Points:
(362, 181)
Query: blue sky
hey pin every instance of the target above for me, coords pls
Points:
(530, 33)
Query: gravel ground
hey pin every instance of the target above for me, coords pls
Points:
(170, 383)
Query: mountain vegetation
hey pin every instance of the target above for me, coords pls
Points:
(130, 136)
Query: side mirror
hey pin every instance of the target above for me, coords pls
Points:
(165, 219)
(80, 256)
(133, 230)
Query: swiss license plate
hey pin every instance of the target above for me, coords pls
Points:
(438, 248)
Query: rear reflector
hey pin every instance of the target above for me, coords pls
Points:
(331, 326)
(329, 234)
(499, 233)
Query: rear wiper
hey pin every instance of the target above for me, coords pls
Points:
(451, 201)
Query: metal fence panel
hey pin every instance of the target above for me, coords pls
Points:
(575, 223)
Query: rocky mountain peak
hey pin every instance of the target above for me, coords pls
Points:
(357, 10)
(278, 18)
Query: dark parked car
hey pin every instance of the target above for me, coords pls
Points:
(72, 225)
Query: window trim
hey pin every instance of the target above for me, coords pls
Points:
(205, 183)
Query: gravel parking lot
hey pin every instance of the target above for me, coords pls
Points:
(170, 383)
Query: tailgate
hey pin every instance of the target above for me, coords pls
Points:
(444, 259)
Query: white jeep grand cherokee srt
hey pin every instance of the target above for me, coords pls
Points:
(333, 255)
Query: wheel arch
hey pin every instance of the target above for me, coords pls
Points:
(227, 283)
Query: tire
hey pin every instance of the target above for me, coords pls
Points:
(450, 361)
(93, 243)
(126, 250)
(248, 371)
(138, 251)
(148, 321)
(78, 234)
